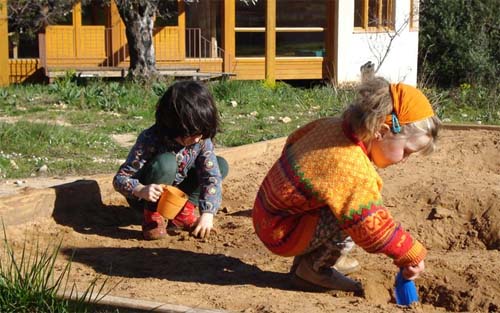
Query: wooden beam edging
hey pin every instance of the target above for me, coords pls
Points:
(452, 126)
(31, 203)
(137, 304)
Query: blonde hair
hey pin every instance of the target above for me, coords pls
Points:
(429, 126)
(368, 111)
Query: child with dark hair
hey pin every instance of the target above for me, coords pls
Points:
(177, 150)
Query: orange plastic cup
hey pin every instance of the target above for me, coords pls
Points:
(171, 202)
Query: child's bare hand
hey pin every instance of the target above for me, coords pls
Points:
(204, 226)
(148, 192)
(412, 272)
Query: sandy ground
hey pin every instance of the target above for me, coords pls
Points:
(449, 200)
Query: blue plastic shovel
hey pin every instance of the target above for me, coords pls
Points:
(405, 290)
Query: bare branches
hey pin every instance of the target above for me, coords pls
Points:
(381, 53)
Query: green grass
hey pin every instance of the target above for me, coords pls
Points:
(68, 125)
(26, 146)
(29, 282)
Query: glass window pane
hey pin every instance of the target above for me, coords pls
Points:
(251, 15)
(373, 18)
(300, 44)
(387, 13)
(250, 44)
(300, 13)
(204, 15)
(358, 13)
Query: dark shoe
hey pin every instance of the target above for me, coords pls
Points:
(305, 277)
(153, 227)
(186, 218)
(295, 264)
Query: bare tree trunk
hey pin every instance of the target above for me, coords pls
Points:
(138, 16)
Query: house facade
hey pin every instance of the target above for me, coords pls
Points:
(264, 39)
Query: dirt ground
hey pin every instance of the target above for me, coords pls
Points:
(450, 200)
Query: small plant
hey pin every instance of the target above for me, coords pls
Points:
(29, 282)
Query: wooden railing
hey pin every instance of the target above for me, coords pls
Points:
(198, 46)
(95, 46)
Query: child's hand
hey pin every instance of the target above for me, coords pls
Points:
(149, 192)
(204, 226)
(412, 272)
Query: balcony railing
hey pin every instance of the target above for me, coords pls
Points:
(97, 46)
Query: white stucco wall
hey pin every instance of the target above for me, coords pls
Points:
(356, 47)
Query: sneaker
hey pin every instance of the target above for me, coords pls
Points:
(186, 218)
(305, 277)
(153, 227)
(346, 264)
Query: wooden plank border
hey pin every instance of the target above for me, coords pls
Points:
(139, 305)
(452, 126)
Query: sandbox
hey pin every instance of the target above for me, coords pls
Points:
(449, 200)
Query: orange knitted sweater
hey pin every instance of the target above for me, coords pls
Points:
(322, 164)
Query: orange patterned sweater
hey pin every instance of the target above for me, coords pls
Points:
(322, 164)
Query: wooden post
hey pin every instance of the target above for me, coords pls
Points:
(229, 44)
(77, 28)
(270, 42)
(4, 45)
(331, 40)
(117, 45)
(213, 29)
(181, 22)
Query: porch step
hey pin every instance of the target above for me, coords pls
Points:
(203, 76)
(121, 72)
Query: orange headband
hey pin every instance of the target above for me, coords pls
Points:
(410, 104)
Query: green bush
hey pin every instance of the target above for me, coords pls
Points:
(459, 42)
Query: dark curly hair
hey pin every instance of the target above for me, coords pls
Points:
(187, 108)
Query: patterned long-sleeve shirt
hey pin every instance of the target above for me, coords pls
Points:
(200, 155)
(324, 165)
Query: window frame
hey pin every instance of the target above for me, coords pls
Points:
(390, 13)
(414, 14)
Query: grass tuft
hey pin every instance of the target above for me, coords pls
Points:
(29, 282)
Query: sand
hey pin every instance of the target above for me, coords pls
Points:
(449, 200)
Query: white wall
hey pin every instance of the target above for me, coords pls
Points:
(355, 48)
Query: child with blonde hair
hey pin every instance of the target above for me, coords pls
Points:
(323, 193)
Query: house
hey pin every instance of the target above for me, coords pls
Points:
(251, 40)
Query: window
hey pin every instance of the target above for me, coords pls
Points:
(300, 28)
(250, 28)
(374, 14)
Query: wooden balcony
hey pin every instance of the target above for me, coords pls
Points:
(97, 51)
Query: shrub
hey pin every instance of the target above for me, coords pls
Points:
(459, 42)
